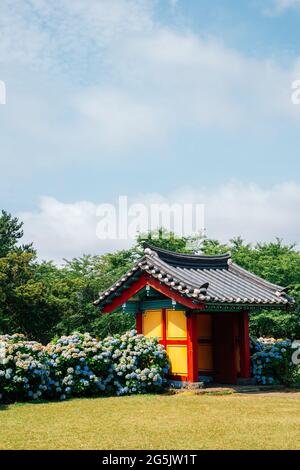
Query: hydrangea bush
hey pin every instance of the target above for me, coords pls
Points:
(80, 365)
(138, 364)
(24, 373)
(272, 363)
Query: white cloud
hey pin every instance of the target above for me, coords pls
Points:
(150, 83)
(285, 4)
(161, 83)
(278, 7)
(254, 212)
(63, 230)
(170, 82)
(43, 33)
(201, 83)
(119, 119)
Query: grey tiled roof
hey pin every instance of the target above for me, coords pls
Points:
(209, 279)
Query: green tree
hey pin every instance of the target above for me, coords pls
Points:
(10, 233)
(95, 274)
(43, 300)
(25, 304)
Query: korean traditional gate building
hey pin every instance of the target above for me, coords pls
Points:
(198, 307)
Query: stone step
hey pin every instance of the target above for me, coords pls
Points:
(186, 385)
(247, 389)
(249, 381)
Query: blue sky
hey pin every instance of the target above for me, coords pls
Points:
(163, 99)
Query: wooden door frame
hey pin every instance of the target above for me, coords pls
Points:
(232, 375)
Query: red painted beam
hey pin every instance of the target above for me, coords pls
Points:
(126, 294)
(139, 284)
(173, 295)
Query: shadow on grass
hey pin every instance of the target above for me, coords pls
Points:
(4, 406)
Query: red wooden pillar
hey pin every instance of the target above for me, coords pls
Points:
(192, 347)
(139, 323)
(245, 345)
(164, 328)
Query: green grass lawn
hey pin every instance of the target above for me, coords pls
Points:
(182, 421)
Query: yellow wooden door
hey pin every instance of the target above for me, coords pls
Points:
(152, 323)
(176, 330)
(176, 325)
(177, 354)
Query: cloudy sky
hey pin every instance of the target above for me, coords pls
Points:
(159, 100)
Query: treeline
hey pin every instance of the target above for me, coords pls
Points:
(43, 301)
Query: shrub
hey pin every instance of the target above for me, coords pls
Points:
(272, 362)
(138, 363)
(24, 373)
(80, 365)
